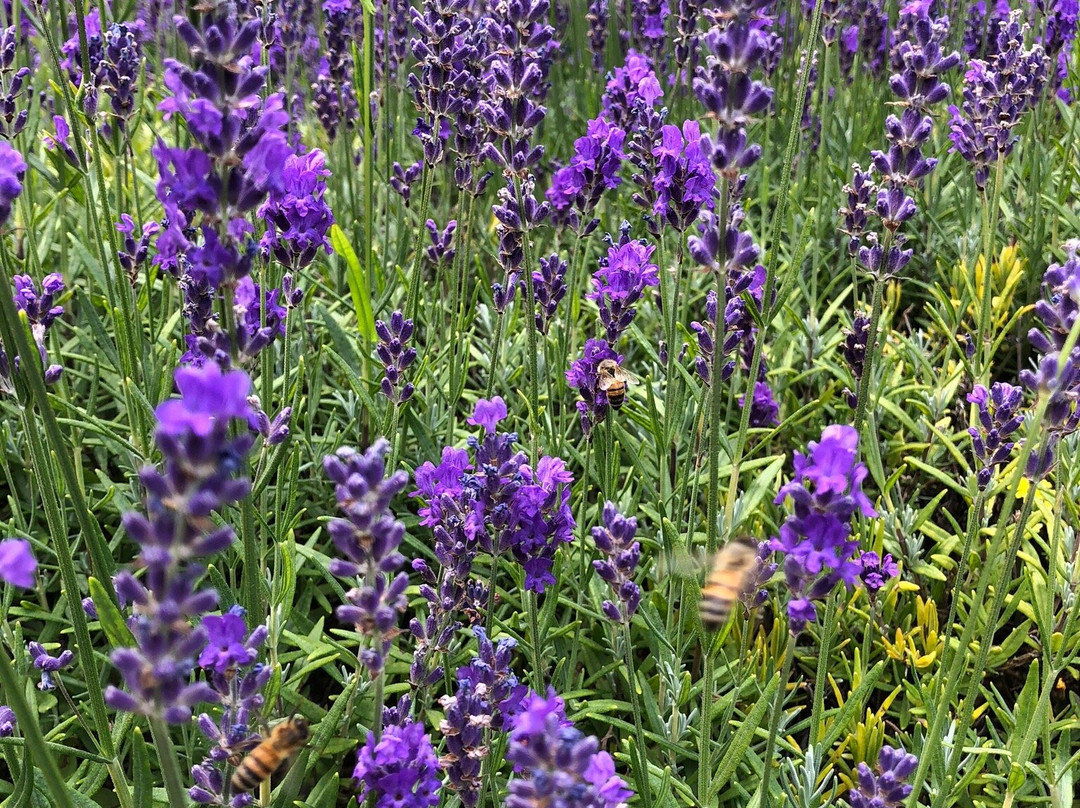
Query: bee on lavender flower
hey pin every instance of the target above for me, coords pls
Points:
(613, 381)
(284, 740)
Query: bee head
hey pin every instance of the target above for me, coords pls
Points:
(299, 728)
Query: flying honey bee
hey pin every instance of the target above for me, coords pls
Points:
(613, 381)
(730, 577)
(262, 761)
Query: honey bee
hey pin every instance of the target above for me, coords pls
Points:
(613, 381)
(730, 577)
(262, 761)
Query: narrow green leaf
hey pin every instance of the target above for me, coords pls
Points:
(112, 622)
(733, 755)
(143, 781)
(358, 283)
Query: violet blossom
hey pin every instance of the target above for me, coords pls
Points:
(624, 274)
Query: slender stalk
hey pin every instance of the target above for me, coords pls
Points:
(827, 627)
(635, 704)
(975, 517)
(413, 303)
(863, 394)
(170, 767)
(530, 332)
(774, 723)
(496, 346)
(533, 610)
(989, 225)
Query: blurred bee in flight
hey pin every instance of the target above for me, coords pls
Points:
(613, 381)
(733, 574)
(284, 740)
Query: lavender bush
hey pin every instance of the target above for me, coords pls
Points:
(546, 402)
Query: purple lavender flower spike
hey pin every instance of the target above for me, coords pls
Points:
(201, 460)
(621, 281)
(488, 696)
(1056, 377)
(597, 17)
(815, 539)
(557, 763)
(368, 540)
(685, 181)
(441, 252)
(40, 313)
(549, 285)
(229, 665)
(997, 94)
(886, 787)
(335, 99)
(396, 356)
(615, 539)
(1000, 415)
(14, 88)
(7, 721)
(630, 91)
(399, 769)
(875, 571)
(764, 411)
(298, 217)
(576, 189)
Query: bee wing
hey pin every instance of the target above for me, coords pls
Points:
(606, 381)
(629, 377)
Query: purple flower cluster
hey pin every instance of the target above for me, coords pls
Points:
(488, 696)
(886, 189)
(1056, 377)
(997, 94)
(743, 275)
(725, 87)
(874, 571)
(624, 275)
(258, 319)
(886, 787)
(764, 411)
(1062, 22)
(816, 539)
(13, 89)
(134, 252)
(239, 158)
(630, 89)
(7, 721)
(854, 351)
(615, 539)
(296, 213)
(333, 92)
(396, 356)
(398, 769)
(41, 312)
(1000, 415)
(368, 540)
(502, 502)
(116, 60)
(576, 188)
(201, 460)
(229, 662)
(685, 181)
(549, 286)
(558, 764)
(48, 664)
(597, 17)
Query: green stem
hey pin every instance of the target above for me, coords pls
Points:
(975, 516)
(635, 704)
(533, 610)
(530, 332)
(774, 723)
(170, 767)
(989, 225)
(827, 626)
(496, 347)
(863, 394)
(413, 303)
